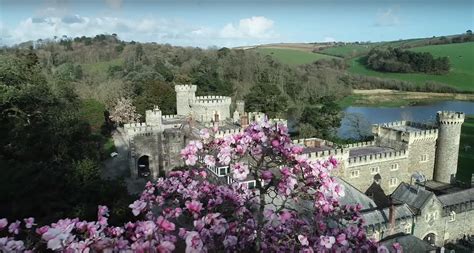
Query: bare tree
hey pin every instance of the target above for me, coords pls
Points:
(359, 126)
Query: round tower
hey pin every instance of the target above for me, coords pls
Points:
(185, 95)
(447, 148)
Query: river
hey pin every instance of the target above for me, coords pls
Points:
(421, 113)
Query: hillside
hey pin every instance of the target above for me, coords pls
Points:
(293, 56)
(461, 75)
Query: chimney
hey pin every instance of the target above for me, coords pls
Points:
(391, 217)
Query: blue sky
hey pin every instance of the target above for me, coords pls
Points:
(234, 23)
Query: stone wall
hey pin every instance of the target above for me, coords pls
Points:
(145, 145)
(420, 150)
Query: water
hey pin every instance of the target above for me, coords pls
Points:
(421, 113)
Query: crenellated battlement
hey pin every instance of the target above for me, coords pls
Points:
(306, 142)
(227, 132)
(134, 129)
(211, 101)
(450, 117)
(385, 156)
(327, 153)
(185, 87)
(170, 116)
(359, 144)
(423, 134)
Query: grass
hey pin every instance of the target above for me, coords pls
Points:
(348, 51)
(466, 155)
(292, 56)
(92, 111)
(101, 68)
(109, 146)
(461, 75)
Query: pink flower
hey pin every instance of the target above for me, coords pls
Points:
(103, 211)
(137, 207)
(3, 223)
(194, 206)
(165, 247)
(42, 230)
(29, 222)
(267, 175)
(55, 238)
(165, 225)
(240, 171)
(327, 241)
(341, 239)
(303, 240)
(230, 241)
(14, 227)
(194, 243)
(210, 160)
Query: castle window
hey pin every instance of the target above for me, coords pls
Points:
(374, 170)
(394, 166)
(452, 216)
(222, 171)
(408, 229)
(424, 158)
(251, 184)
(355, 173)
(393, 182)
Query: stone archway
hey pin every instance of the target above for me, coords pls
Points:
(430, 238)
(143, 166)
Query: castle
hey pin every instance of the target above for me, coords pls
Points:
(155, 145)
(415, 163)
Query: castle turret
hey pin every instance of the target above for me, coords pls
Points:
(153, 118)
(447, 150)
(185, 95)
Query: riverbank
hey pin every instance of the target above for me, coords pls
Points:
(393, 98)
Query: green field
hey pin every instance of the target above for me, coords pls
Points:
(292, 56)
(466, 154)
(461, 76)
(101, 68)
(353, 50)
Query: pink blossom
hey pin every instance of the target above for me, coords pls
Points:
(14, 227)
(29, 222)
(165, 225)
(267, 175)
(42, 230)
(303, 240)
(341, 239)
(204, 134)
(210, 160)
(194, 206)
(194, 243)
(137, 207)
(165, 247)
(3, 223)
(327, 241)
(240, 171)
(230, 241)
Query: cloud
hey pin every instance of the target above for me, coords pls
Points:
(247, 31)
(254, 27)
(114, 4)
(387, 17)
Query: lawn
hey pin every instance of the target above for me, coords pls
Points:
(292, 56)
(466, 154)
(461, 75)
(101, 68)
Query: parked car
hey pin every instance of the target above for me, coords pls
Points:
(113, 154)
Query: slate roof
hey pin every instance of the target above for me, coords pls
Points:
(381, 216)
(414, 196)
(353, 196)
(409, 243)
(457, 197)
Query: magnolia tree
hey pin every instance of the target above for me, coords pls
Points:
(124, 112)
(293, 207)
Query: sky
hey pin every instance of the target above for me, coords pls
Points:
(230, 23)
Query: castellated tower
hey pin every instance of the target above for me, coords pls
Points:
(185, 95)
(153, 117)
(240, 106)
(447, 150)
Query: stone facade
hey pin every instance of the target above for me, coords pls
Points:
(399, 151)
